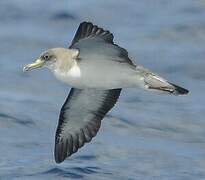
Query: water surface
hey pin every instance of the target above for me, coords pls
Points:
(146, 135)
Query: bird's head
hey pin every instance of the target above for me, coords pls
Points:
(54, 58)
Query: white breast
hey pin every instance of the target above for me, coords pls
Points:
(71, 76)
(74, 71)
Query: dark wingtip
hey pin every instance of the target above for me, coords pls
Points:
(58, 161)
(179, 90)
(59, 158)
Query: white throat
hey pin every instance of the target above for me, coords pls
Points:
(68, 75)
(74, 70)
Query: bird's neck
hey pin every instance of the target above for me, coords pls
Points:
(64, 72)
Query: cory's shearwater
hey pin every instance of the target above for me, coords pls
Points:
(97, 69)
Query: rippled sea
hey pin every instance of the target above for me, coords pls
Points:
(147, 135)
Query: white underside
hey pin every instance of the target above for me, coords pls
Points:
(100, 76)
(109, 75)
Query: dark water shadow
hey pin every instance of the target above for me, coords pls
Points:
(86, 157)
(14, 13)
(126, 122)
(16, 120)
(63, 173)
(63, 16)
(74, 172)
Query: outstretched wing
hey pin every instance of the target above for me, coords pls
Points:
(87, 30)
(80, 119)
(91, 39)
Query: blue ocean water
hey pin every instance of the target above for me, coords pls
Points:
(147, 135)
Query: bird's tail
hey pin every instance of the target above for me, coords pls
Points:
(155, 82)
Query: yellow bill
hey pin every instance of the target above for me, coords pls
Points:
(37, 64)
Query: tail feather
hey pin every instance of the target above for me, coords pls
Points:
(174, 89)
(179, 90)
(153, 81)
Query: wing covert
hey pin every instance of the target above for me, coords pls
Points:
(92, 40)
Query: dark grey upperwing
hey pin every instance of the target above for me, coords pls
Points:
(92, 39)
(80, 119)
(87, 30)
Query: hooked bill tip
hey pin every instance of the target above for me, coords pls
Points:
(25, 68)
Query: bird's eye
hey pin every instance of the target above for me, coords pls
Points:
(46, 57)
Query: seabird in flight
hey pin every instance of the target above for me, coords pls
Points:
(97, 69)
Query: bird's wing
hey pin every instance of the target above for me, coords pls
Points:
(87, 30)
(80, 119)
(91, 39)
